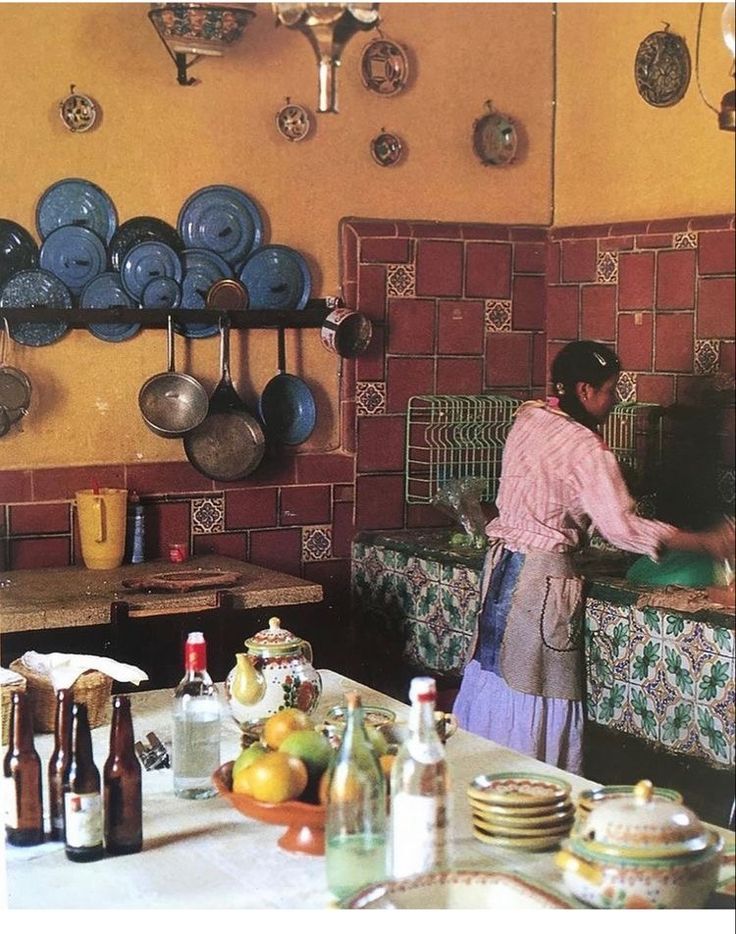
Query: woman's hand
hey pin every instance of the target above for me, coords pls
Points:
(718, 542)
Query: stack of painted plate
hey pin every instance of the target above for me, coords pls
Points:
(590, 798)
(521, 810)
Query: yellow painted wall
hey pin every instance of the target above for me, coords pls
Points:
(158, 142)
(617, 157)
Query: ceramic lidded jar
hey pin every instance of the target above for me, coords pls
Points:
(640, 851)
(275, 672)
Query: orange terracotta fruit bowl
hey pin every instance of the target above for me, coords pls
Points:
(304, 822)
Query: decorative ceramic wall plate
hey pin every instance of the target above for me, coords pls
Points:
(662, 69)
(384, 67)
(78, 112)
(386, 149)
(293, 122)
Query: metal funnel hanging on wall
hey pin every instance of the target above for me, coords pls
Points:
(328, 27)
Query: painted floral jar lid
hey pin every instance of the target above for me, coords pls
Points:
(275, 640)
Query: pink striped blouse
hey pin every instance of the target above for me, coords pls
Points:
(558, 479)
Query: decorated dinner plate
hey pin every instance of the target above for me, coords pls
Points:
(276, 277)
(18, 249)
(74, 254)
(560, 828)
(519, 788)
(202, 269)
(483, 818)
(459, 888)
(76, 202)
(138, 230)
(146, 261)
(528, 812)
(36, 288)
(161, 292)
(106, 291)
(535, 844)
(222, 219)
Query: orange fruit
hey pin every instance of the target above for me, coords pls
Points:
(275, 777)
(247, 757)
(280, 724)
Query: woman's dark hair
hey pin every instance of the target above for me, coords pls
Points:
(582, 362)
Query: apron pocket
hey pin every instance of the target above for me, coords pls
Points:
(561, 623)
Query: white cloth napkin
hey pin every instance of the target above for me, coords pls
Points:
(10, 677)
(63, 670)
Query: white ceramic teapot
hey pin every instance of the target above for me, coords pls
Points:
(275, 672)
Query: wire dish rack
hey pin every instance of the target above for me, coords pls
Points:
(454, 437)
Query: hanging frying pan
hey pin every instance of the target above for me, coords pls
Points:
(229, 444)
(286, 406)
(15, 387)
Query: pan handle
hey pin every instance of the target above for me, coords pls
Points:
(225, 349)
(5, 340)
(282, 350)
(169, 344)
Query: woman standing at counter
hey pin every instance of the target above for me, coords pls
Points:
(523, 686)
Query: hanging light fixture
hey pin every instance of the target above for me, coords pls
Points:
(328, 27)
(197, 29)
(727, 111)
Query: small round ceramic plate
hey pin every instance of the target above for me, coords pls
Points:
(519, 788)
(146, 261)
(516, 819)
(202, 269)
(526, 811)
(74, 254)
(561, 828)
(103, 292)
(459, 888)
(222, 219)
(276, 277)
(161, 292)
(76, 202)
(36, 288)
(535, 844)
(138, 230)
(18, 250)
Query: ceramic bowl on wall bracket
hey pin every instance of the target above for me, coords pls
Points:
(495, 139)
(387, 149)
(293, 122)
(78, 112)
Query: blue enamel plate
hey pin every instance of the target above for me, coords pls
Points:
(36, 288)
(74, 254)
(18, 250)
(103, 292)
(79, 203)
(146, 261)
(222, 219)
(137, 230)
(276, 277)
(202, 268)
(162, 292)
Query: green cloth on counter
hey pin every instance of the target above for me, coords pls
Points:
(686, 568)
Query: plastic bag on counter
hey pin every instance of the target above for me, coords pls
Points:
(460, 499)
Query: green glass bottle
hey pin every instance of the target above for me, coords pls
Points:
(355, 824)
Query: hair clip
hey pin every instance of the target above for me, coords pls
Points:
(599, 358)
(559, 389)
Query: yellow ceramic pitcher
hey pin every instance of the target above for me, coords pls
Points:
(102, 516)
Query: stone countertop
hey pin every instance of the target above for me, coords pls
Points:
(76, 596)
(605, 570)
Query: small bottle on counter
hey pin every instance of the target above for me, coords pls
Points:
(82, 797)
(420, 791)
(196, 714)
(59, 761)
(22, 792)
(121, 778)
(136, 530)
(355, 822)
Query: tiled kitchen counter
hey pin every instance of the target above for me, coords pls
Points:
(661, 674)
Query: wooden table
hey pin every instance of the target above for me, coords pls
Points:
(204, 854)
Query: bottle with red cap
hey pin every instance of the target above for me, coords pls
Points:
(420, 791)
(196, 713)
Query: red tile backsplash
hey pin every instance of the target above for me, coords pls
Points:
(562, 311)
(305, 505)
(407, 376)
(488, 272)
(635, 340)
(508, 359)
(40, 518)
(528, 303)
(343, 530)
(63, 482)
(229, 545)
(439, 267)
(372, 292)
(598, 313)
(411, 325)
(277, 549)
(165, 523)
(636, 281)
(460, 327)
(251, 509)
(716, 316)
(28, 553)
(459, 375)
(381, 443)
(385, 250)
(325, 468)
(379, 501)
(579, 260)
(674, 342)
(655, 388)
(676, 279)
(530, 257)
(716, 252)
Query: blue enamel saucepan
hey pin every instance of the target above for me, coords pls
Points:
(287, 406)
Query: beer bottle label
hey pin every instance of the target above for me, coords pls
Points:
(10, 802)
(83, 814)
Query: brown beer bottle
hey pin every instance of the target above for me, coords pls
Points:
(82, 798)
(121, 778)
(59, 761)
(22, 778)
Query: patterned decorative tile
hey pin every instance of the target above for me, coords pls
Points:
(718, 640)
(678, 727)
(685, 241)
(643, 714)
(460, 596)
(370, 398)
(208, 515)
(679, 670)
(316, 543)
(498, 314)
(712, 735)
(401, 280)
(707, 356)
(626, 387)
(613, 704)
(606, 269)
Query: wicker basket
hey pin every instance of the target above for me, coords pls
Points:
(91, 688)
(6, 691)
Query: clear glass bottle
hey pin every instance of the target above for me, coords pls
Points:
(196, 715)
(22, 794)
(420, 792)
(121, 779)
(355, 823)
